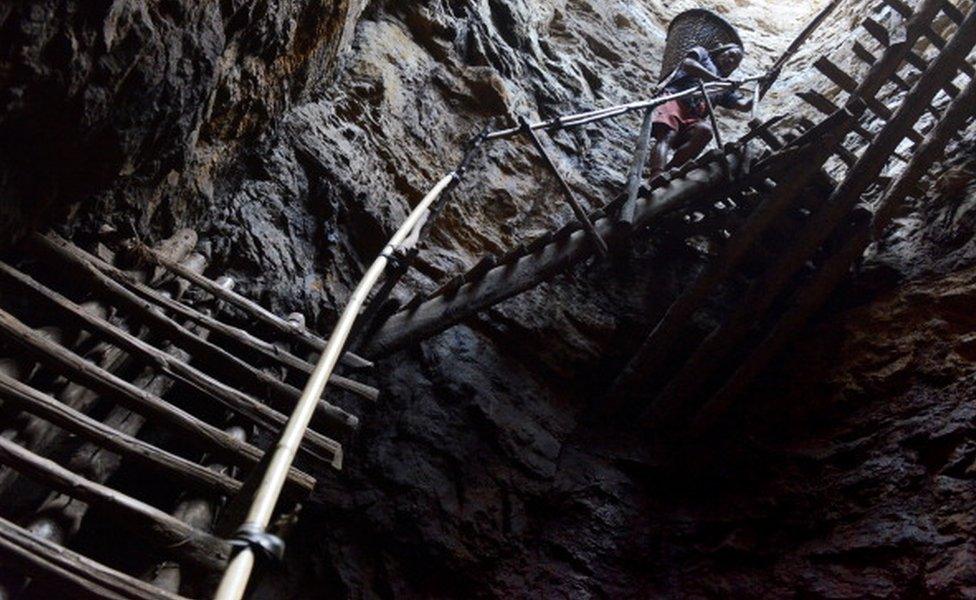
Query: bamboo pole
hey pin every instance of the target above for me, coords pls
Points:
(236, 577)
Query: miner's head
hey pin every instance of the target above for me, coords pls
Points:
(727, 58)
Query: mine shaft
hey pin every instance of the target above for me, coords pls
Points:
(485, 299)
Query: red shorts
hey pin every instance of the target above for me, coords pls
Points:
(674, 115)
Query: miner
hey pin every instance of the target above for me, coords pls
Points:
(679, 125)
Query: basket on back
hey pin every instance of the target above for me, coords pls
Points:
(695, 27)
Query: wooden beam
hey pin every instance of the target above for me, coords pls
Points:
(236, 401)
(281, 396)
(70, 573)
(99, 380)
(173, 536)
(45, 407)
(510, 278)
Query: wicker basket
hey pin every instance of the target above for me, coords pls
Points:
(695, 27)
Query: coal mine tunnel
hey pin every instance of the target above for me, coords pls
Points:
(573, 299)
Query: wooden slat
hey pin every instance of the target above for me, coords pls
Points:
(280, 395)
(648, 362)
(70, 573)
(176, 537)
(240, 403)
(97, 379)
(45, 407)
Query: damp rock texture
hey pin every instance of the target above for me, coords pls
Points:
(122, 111)
(294, 136)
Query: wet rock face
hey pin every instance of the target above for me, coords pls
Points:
(127, 106)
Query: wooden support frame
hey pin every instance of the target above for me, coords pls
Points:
(236, 401)
(816, 291)
(71, 573)
(280, 395)
(697, 371)
(202, 549)
(97, 379)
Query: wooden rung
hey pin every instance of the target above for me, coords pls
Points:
(68, 572)
(112, 280)
(847, 83)
(253, 309)
(176, 537)
(40, 405)
(450, 287)
(953, 12)
(99, 380)
(487, 263)
(236, 401)
(514, 254)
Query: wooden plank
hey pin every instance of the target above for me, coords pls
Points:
(173, 536)
(45, 407)
(68, 572)
(99, 380)
(280, 395)
(236, 401)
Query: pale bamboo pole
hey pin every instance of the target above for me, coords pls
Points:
(235, 579)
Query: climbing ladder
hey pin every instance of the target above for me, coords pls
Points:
(98, 356)
(140, 371)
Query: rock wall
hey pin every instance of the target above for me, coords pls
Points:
(132, 110)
